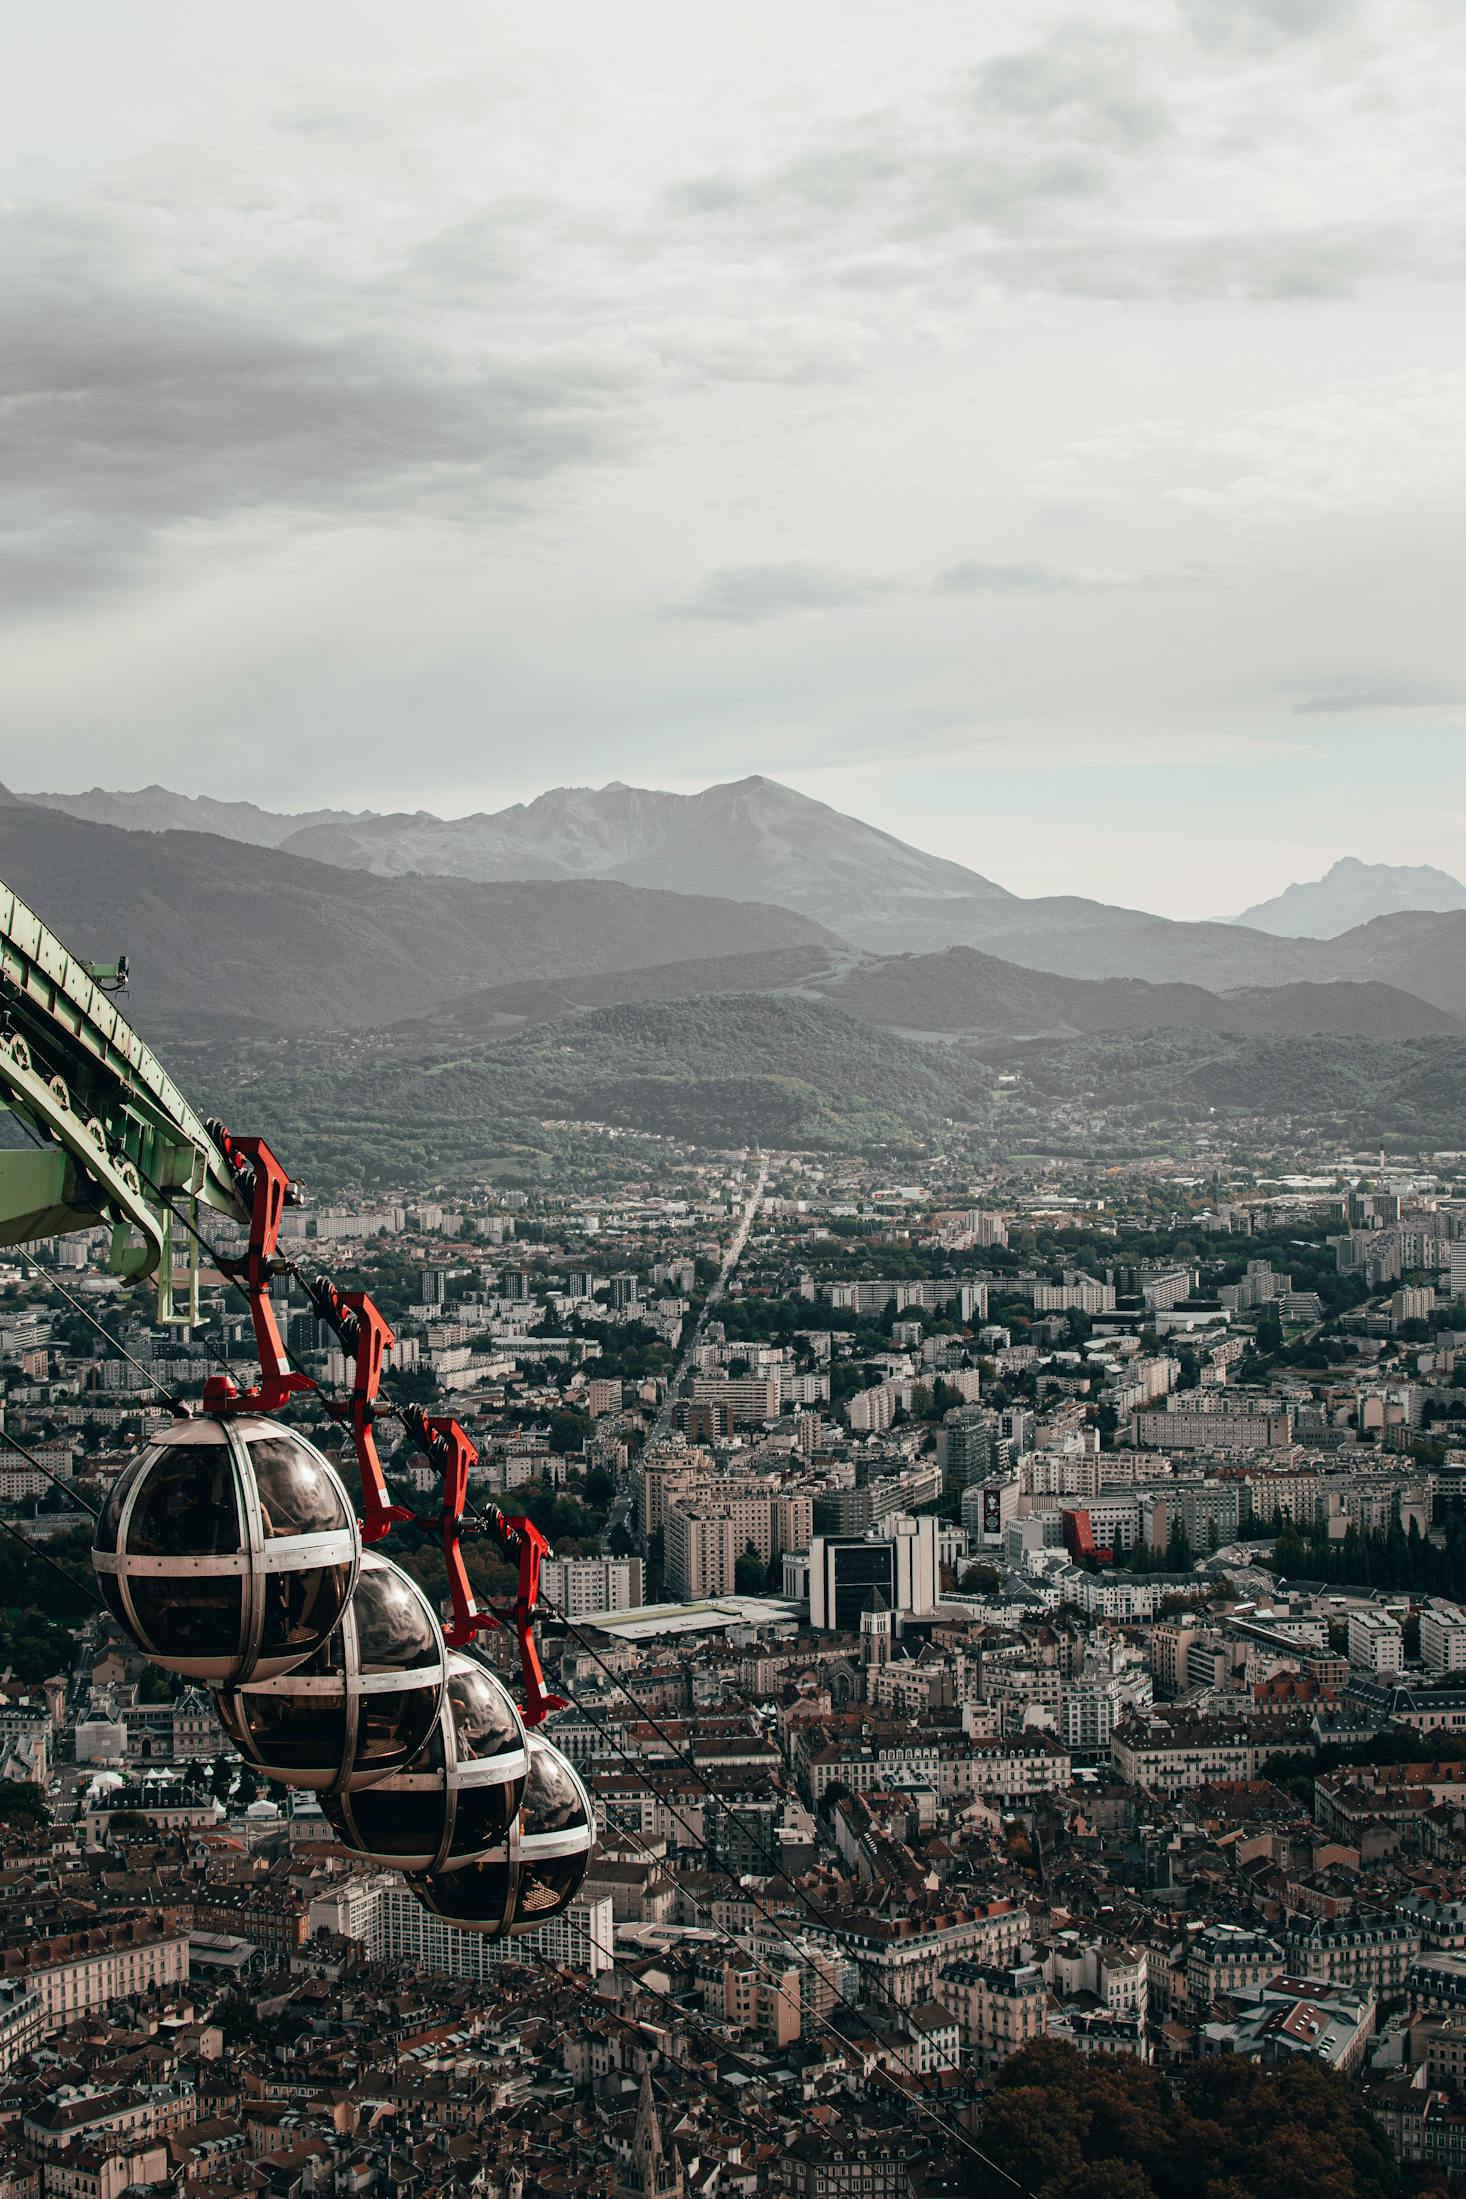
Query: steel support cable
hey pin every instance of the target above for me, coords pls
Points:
(914, 2099)
(685, 2016)
(745, 1954)
(750, 1831)
(57, 1481)
(176, 1404)
(638, 1765)
(46, 1559)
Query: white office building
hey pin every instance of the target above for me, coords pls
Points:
(847, 1573)
(393, 1926)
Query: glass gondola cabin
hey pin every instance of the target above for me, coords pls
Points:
(228, 1550)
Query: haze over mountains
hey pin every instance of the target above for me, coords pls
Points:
(756, 840)
(1354, 893)
(218, 931)
(590, 896)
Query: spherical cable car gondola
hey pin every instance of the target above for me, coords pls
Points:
(364, 1706)
(540, 1867)
(459, 1797)
(228, 1549)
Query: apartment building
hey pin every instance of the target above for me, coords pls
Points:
(701, 1552)
(1228, 1958)
(1375, 1950)
(762, 2001)
(587, 1588)
(900, 1957)
(22, 2020)
(1170, 1758)
(1186, 1429)
(999, 2008)
(1443, 1638)
(750, 1399)
(74, 1975)
(1376, 1642)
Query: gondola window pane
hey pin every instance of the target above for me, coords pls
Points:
(391, 1625)
(476, 1894)
(111, 1518)
(554, 1802)
(484, 1720)
(485, 1815)
(548, 1887)
(296, 1496)
(399, 1823)
(300, 1606)
(187, 1505)
(186, 1617)
(394, 1727)
(308, 1734)
(112, 1598)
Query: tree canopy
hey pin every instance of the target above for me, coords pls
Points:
(1069, 2126)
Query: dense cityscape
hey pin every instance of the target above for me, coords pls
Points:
(996, 1617)
(733, 1100)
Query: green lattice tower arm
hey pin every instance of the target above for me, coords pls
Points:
(118, 1139)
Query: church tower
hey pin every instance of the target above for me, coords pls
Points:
(877, 1631)
(653, 2172)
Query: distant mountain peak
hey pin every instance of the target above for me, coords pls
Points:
(157, 808)
(1353, 892)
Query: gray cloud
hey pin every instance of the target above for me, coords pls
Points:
(973, 578)
(1244, 22)
(1382, 694)
(132, 402)
(1084, 80)
(746, 595)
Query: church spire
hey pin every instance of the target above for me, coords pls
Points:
(654, 2173)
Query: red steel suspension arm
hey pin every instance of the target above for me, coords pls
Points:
(267, 1188)
(444, 1442)
(362, 1331)
(364, 1335)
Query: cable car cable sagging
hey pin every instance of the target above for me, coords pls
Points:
(914, 2100)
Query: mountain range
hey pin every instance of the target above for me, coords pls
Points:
(159, 809)
(404, 914)
(756, 840)
(958, 994)
(660, 961)
(1354, 893)
(220, 932)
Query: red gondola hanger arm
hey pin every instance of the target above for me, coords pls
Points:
(362, 1331)
(364, 1335)
(264, 1184)
(444, 1442)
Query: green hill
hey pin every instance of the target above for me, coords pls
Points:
(716, 1072)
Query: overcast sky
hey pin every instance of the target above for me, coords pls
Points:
(1041, 431)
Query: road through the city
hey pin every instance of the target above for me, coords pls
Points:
(620, 1515)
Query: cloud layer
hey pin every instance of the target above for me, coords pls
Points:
(518, 396)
